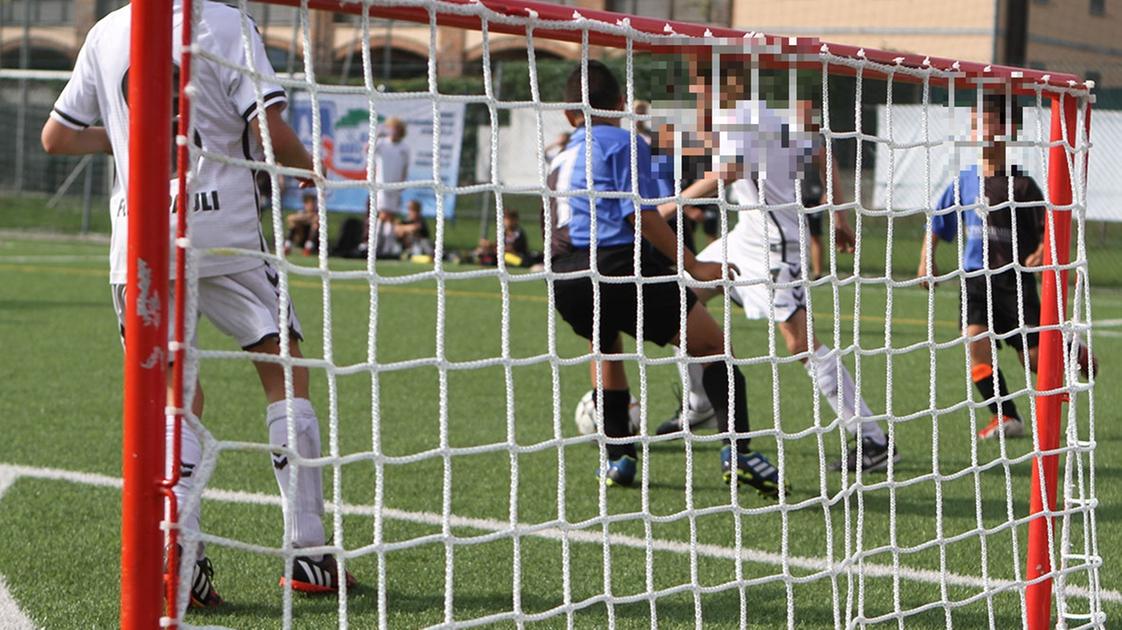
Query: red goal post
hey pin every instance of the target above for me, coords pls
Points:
(145, 535)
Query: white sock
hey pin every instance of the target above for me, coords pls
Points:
(833, 376)
(698, 399)
(305, 525)
(190, 454)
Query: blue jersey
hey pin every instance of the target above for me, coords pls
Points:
(662, 171)
(611, 172)
(999, 224)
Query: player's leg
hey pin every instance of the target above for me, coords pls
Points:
(245, 306)
(814, 227)
(698, 411)
(704, 338)
(988, 378)
(837, 386)
(622, 458)
(203, 593)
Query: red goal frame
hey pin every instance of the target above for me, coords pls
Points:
(147, 594)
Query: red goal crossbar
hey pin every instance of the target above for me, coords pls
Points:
(146, 488)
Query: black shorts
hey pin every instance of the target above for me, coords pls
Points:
(1004, 305)
(814, 223)
(619, 302)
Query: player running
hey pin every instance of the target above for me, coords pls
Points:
(757, 144)
(238, 294)
(611, 151)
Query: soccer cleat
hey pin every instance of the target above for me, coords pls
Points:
(754, 469)
(874, 457)
(621, 472)
(695, 419)
(1084, 359)
(203, 594)
(1011, 427)
(317, 576)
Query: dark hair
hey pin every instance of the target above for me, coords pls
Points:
(997, 103)
(603, 87)
(511, 213)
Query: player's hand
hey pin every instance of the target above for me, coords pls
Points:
(1036, 258)
(922, 272)
(705, 271)
(693, 213)
(844, 238)
(304, 182)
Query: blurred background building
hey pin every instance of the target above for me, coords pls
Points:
(1073, 36)
(44, 36)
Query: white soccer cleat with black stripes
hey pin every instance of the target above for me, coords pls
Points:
(316, 576)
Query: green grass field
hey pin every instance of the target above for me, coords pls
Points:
(61, 410)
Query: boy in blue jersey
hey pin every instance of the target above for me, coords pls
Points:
(993, 249)
(614, 240)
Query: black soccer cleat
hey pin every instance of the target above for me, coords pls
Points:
(317, 576)
(874, 457)
(203, 593)
(752, 469)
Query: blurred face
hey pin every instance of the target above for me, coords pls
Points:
(414, 210)
(309, 204)
(987, 127)
(397, 131)
(510, 222)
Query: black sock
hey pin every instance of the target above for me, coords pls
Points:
(617, 421)
(715, 380)
(985, 388)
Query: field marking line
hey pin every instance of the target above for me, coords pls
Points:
(11, 615)
(464, 293)
(50, 258)
(868, 569)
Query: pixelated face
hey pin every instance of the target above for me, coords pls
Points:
(988, 125)
(309, 204)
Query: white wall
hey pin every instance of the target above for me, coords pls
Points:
(951, 128)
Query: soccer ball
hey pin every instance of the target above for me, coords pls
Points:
(585, 415)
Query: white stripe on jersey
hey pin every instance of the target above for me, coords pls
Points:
(224, 197)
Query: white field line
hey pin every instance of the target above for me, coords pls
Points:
(489, 525)
(51, 258)
(11, 616)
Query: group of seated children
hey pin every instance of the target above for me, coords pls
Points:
(516, 251)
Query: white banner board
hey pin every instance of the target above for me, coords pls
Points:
(344, 138)
(951, 128)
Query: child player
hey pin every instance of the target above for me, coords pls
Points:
(238, 294)
(611, 152)
(992, 249)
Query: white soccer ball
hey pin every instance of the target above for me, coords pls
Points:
(585, 415)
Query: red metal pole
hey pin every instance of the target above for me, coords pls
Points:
(146, 315)
(1050, 372)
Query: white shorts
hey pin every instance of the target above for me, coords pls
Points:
(761, 268)
(243, 305)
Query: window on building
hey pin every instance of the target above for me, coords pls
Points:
(704, 11)
(1098, 7)
(43, 12)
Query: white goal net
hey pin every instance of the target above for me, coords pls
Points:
(443, 289)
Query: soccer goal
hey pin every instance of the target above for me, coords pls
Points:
(459, 490)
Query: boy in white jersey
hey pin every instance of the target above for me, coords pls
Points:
(758, 145)
(238, 294)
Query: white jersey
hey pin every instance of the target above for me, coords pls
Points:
(224, 204)
(391, 165)
(767, 150)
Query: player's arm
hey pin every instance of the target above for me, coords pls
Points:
(942, 226)
(844, 238)
(287, 147)
(700, 189)
(656, 231)
(58, 139)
